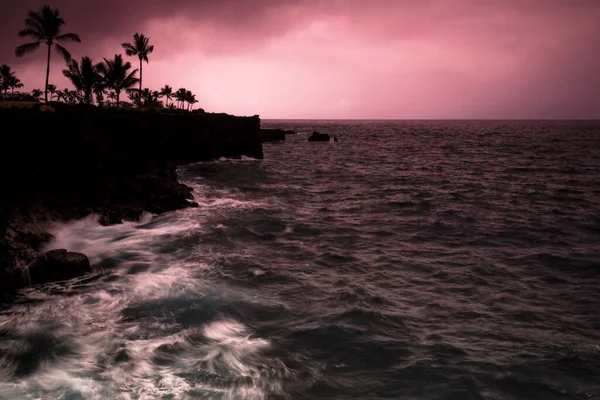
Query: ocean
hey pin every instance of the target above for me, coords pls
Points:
(442, 260)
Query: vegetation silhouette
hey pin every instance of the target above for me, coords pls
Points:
(84, 77)
(139, 47)
(44, 26)
(115, 75)
(167, 93)
(8, 80)
(50, 88)
(101, 83)
(37, 93)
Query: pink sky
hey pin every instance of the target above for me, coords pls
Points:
(347, 58)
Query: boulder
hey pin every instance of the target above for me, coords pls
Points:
(57, 265)
(272, 135)
(289, 132)
(318, 137)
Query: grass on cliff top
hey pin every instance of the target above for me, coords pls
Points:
(20, 104)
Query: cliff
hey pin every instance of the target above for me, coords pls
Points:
(80, 160)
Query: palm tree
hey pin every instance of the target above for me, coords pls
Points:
(150, 98)
(190, 99)
(167, 93)
(37, 93)
(133, 95)
(84, 78)
(65, 95)
(14, 82)
(99, 92)
(6, 76)
(75, 96)
(139, 48)
(180, 97)
(44, 26)
(147, 95)
(112, 96)
(193, 101)
(52, 89)
(115, 75)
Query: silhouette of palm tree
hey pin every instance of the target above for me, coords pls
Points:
(167, 93)
(115, 75)
(44, 26)
(140, 48)
(65, 95)
(133, 95)
(192, 100)
(52, 89)
(14, 83)
(99, 92)
(112, 96)
(84, 78)
(180, 97)
(6, 75)
(37, 93)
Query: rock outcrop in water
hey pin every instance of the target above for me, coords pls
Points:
(319, 137)
(57, 265)
(81, 160)
(272, 135)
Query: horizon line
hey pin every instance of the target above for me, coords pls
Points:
(430, 119)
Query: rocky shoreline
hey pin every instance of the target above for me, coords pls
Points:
(76, 161)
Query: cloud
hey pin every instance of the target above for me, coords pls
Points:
(349, 58)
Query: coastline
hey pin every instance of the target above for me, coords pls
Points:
(80, 160)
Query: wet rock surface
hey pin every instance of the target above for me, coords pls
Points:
(118, 164)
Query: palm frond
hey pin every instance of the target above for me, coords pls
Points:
(63, 52)
(34, 34)
(129, 49)
(68, 37)
(131, 77)
(26, 48)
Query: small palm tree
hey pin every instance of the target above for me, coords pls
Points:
(52, 89)
(65, 95)
(99, 92)
(6, 76)
(84, 77)
(44, 26)
(14, 83)
(167, 93)
(190, 99)
(147, 95)
(37, 93)
(193, 101)
(75, 96)
(140, 48)
(180, 97)
(115, 75)
(133, 95)
(112, 96)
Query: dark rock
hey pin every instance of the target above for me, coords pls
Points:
(289, 132)
(319, 137)
(122, 356)
(335, 139)
(57, 265)
(116, 163)
(272, 135)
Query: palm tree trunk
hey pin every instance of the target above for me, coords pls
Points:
(118, 94)
(140, 96)
(47, 75)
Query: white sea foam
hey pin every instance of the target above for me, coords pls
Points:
(221, 358)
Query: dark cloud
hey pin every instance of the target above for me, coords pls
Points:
(462, 58)
(117, 20)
